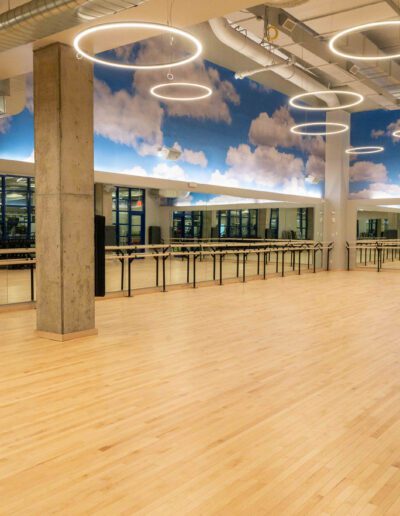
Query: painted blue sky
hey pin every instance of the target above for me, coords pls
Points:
(375, 175)
(239, 137)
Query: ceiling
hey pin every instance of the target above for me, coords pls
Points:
(315, 22)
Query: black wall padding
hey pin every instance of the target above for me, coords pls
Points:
(154, 235)
(99, 256)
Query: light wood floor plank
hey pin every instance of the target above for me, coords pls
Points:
(270, 398)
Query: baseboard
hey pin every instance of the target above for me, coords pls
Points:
(62, 337)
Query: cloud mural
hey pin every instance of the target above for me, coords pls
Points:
(376, 176)
(239, 137)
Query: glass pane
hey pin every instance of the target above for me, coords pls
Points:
(123, 230)
(16, 183)
(124, 199)
(123, 217)
(14, 198)
(136, 220)
(16, 221)
(137, 199)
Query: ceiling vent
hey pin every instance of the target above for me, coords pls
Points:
(169, 153)
(287, 23)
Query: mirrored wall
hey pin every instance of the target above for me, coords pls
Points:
(243, 223)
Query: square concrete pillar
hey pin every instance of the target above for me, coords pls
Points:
(63, 115)
(337, 190)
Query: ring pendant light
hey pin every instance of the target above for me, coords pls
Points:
(396, 134)
(337, 128)
(79, 41)
(358, 98)
(360, 28)
(204, 91)
(372, 149)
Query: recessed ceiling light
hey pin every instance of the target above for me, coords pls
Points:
(337, 128)
(372, 149)
(396, 134)
(204, 91)
(358, 98)
(360, 28)
(78, 41)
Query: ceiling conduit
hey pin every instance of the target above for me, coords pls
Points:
(249, 48)
(41, 18)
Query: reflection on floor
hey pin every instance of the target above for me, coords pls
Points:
(15, 283)
(277, 397)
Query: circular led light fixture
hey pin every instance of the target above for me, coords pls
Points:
(336, 128)
(204, 91)
(360, 28)
(79, 41)
(373, 149)
(356, 96)
(396, 134)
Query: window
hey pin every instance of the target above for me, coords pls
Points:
(129, 215)
(372, 228)
(187, 224)
(17, 208)
(302, 223)
(274, 223)
(237, 223)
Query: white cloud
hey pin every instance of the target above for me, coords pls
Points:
(315, 167)
(314, 145)
(216, 107)
(259, 88)
(173, 172)
(31, 157)
(133, 120)
(378, 191)
(368, 171)
(391, 128)
(296, 186)
(222, 179)
(134, 171)
(192, 157)
(274, 131)
(265, 166)
(377, 133)
(230, 199)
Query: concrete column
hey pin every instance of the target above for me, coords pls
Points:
(63, 100)
(336, 227)
(319, 223)
(262, 222)
(207, 224)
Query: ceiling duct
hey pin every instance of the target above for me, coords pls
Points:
(380, 77)
(249, 48)
(41, 18)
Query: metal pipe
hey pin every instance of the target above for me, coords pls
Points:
(41, 18)
(249, 48)
(272, 68)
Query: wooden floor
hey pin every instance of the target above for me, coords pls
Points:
(269, 398)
